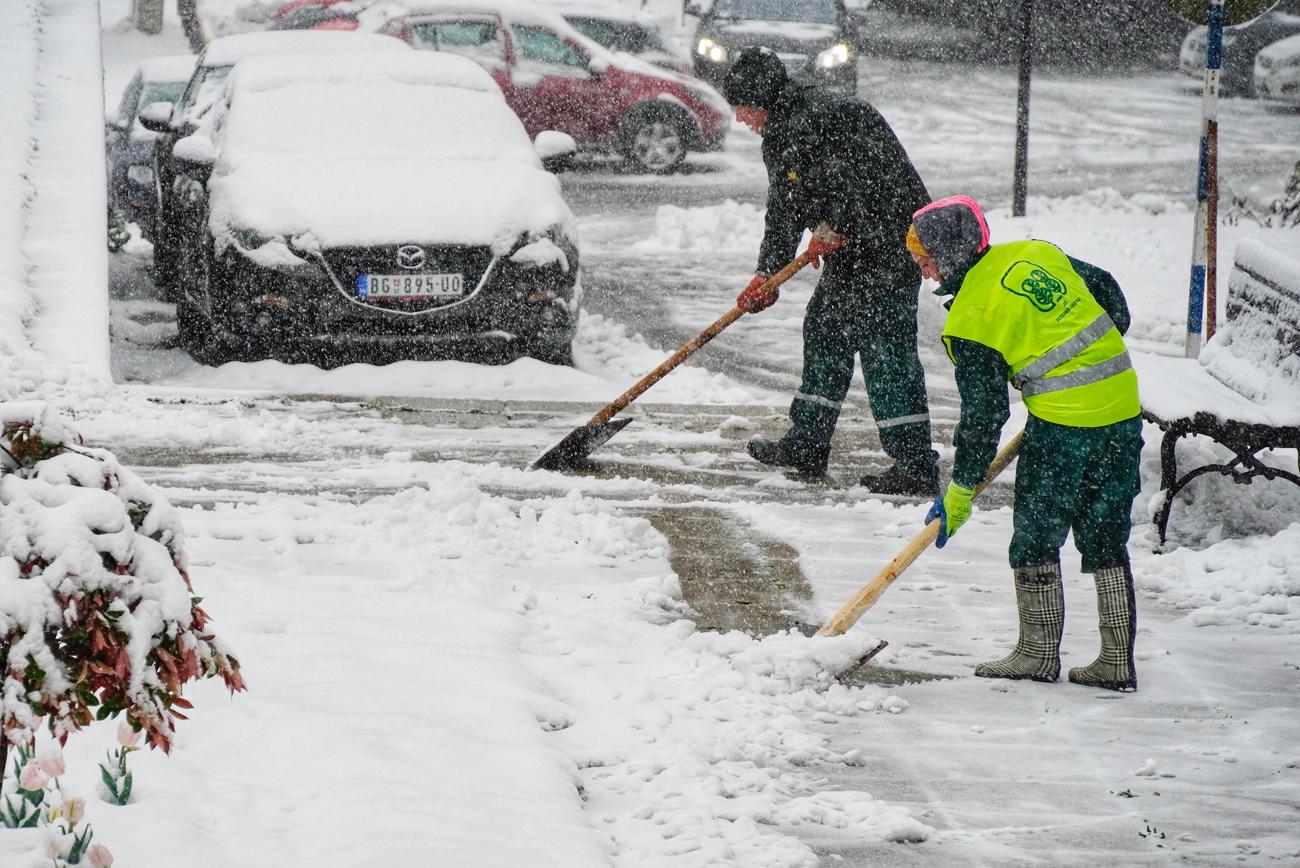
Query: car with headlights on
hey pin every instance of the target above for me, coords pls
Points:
(1241, 43)
(370, 208)
(556, 78)
(129, 146)
(815, 39)
(171, 120)
(1277, 71)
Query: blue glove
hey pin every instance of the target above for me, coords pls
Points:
(952, 510)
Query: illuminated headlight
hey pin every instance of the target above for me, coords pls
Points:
(836, 55)
(140, 174)
(711, 50)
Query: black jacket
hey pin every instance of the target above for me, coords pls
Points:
(832, 158)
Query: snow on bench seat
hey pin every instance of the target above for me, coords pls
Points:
(1244, 390)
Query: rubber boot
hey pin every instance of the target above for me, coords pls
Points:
(1117, 621)
(1040, 602)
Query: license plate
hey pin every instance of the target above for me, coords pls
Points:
(410, 286)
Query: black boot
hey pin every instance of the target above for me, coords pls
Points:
(781, 453)
(902, 481)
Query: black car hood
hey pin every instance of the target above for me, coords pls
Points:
(780, 36)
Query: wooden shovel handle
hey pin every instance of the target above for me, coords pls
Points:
(613, 407)
(867, 595)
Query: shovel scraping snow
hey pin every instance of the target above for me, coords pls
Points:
(867, 595)
(581, 442)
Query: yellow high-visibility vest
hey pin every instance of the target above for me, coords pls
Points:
(1067, 358)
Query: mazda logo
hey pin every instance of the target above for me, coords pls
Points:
(410, 256)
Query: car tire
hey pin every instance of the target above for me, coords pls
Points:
(654, 140)
(197, 332)
(553, 353)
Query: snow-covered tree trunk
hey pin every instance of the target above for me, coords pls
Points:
(192, 24)
(147, 15)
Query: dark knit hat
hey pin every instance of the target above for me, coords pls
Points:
(952, 231)
(756, 79)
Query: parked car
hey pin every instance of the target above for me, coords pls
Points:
(816, 39)
(1240, 45)
(316, 16)
(556, 78)
(420, 222)
(173, 120)
(622, 28)
(1277, 70)
(130, 146)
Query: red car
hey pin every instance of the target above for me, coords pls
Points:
(555, 78)
(316, 15)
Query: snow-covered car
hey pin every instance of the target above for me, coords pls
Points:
(622, 28)
(816, 39)
(130, 145)
(556, 78)
(1241, 43)
(371, 208)
(173, 120)
(1277, 71)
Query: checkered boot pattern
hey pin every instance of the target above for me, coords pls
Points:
(1040, 601)
(1117, 621)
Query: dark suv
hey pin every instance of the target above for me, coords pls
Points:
(816, 39)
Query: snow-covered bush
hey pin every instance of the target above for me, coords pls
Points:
(97, 615)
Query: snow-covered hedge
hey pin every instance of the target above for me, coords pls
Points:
(97, 615)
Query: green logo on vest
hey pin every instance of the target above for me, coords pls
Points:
(1035, 283)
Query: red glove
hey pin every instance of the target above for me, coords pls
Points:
(752, 299)
(818, 248)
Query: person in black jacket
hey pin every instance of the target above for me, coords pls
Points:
(835, 167)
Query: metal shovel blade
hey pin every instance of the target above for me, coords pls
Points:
(578, 444)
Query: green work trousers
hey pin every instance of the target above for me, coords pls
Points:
(883, 334)
(1080, 479)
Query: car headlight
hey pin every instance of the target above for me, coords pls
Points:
(710, 49)
(837, 55)
(140, 174)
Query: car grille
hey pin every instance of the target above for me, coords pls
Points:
(346, 264)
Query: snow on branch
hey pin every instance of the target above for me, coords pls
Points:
(97, 615)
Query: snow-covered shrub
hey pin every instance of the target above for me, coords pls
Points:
(97, 615)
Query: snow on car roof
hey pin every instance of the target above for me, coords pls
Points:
(230, 49)
(420, 68)
(168, 68)
(362, 150)
(517, 12)
(603, 10)
(1289, 47)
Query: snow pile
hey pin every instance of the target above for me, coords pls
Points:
(1254, 580)
(1247, 353)
(730, 227)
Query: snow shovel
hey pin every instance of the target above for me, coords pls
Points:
(581, 442)
(867, 595)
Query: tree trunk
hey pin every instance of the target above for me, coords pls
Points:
(147, 15)
(189, 13)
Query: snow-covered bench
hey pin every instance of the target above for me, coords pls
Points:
(1244, 391)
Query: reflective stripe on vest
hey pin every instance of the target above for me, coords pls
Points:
(1032, 379)
(1025, 300)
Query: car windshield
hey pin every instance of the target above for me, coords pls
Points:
(619, 35)
(812, 11)
(159, 91)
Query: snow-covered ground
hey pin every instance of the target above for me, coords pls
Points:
(452, 660)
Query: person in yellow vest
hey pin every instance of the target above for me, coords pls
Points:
(1026, 313)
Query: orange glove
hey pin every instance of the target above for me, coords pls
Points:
(752, 299)
(824, 242)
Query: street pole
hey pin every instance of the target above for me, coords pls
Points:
(1020, 190)
(1201, 298)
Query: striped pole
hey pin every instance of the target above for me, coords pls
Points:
(1201, 294)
